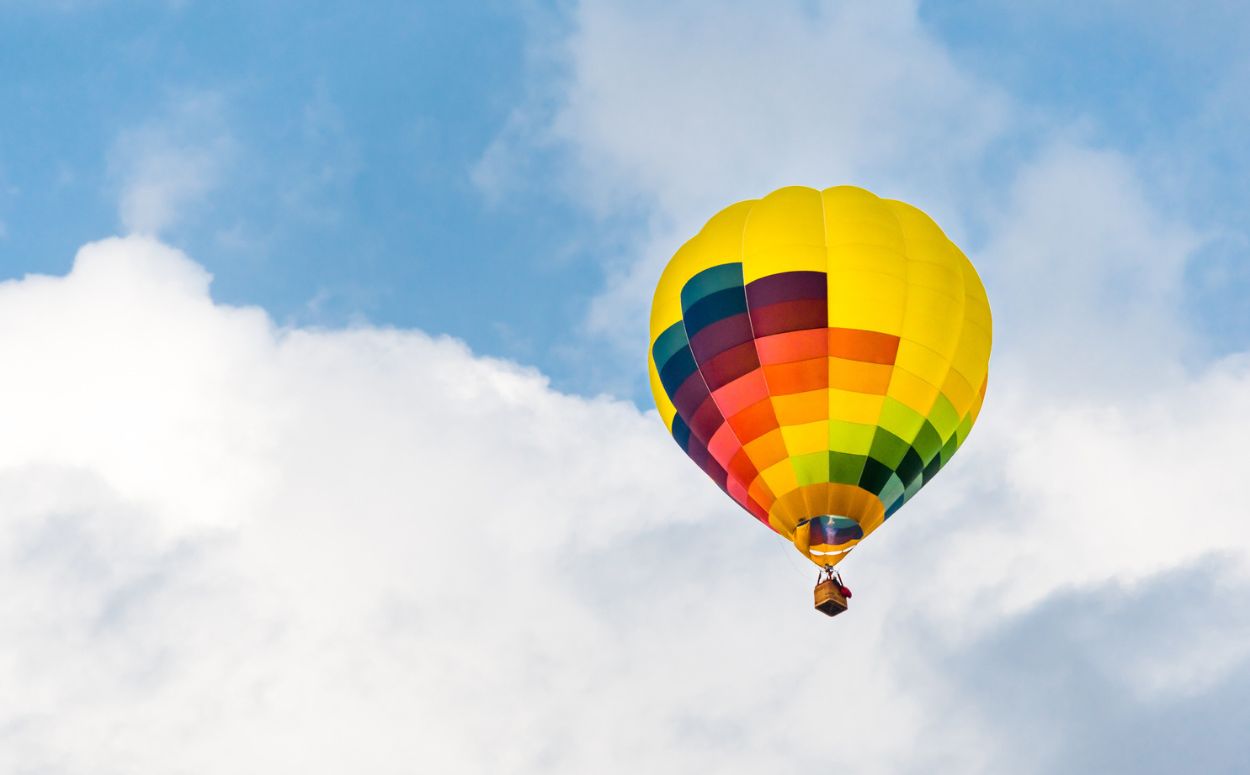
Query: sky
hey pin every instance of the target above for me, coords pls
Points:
(326, 443)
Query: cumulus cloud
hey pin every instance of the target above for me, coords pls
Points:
(215, 523)
(235, 545)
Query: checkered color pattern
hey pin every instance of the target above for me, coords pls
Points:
(820, 355)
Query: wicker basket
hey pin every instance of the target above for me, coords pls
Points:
(829, 598)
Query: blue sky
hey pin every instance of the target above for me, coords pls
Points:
(267, 521)
(341, 145)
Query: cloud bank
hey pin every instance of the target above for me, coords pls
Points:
(234, 546)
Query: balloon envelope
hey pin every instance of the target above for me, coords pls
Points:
(820, 355)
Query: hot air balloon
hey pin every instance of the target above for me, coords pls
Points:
(821, 355)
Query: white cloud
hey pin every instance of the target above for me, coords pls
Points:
(1086, 276)
(694, 107)
(232, 545)
(171, 164)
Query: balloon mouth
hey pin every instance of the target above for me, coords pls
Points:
(827, 538)
(832, 553)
